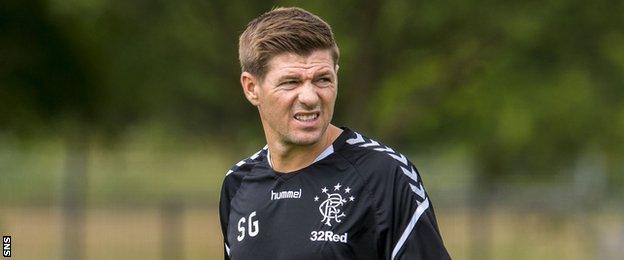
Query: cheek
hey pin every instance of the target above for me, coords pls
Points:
(278, 106)
(329, 96)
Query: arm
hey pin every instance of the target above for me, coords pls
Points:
(413, 227)
(224, 213)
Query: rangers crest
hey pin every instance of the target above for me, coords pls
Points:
(331, 207)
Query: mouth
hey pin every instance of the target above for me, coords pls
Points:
(306, 117)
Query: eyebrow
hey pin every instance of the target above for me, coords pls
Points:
(323, 73)
(289, 77)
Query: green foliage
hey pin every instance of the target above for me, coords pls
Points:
(526, 86)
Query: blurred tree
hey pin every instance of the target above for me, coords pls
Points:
(525, 84)
(50, 84)
(528, 87)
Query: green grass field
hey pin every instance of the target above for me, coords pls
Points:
(137, 234)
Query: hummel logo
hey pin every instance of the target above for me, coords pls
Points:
(287, 194)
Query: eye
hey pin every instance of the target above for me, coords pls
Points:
(289, 83)
(323, 82)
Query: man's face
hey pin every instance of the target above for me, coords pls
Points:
(296, 98)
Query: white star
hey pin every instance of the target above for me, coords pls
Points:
(324, 189)
(337, 187)
(351, 198)
(347, 190)
(316, 198)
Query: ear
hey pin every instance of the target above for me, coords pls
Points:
(251, 87)
(337, 67)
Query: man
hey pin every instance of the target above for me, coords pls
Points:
(316, 191)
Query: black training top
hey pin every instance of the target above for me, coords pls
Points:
(359, 200)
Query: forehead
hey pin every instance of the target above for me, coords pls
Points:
(288, 63)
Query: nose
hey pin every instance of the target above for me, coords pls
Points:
(308, 96)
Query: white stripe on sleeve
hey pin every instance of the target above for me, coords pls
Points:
(419, 211)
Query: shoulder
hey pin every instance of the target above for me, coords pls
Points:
(384, 169)
(369, 155)
(235, 174)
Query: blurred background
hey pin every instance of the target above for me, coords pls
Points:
(119, 119)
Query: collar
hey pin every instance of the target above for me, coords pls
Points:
(328, 151)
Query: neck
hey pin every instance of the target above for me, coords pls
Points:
(288, 157)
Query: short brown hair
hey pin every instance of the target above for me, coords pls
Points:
(283, 30)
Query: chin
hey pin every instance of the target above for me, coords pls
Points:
(305, 138)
